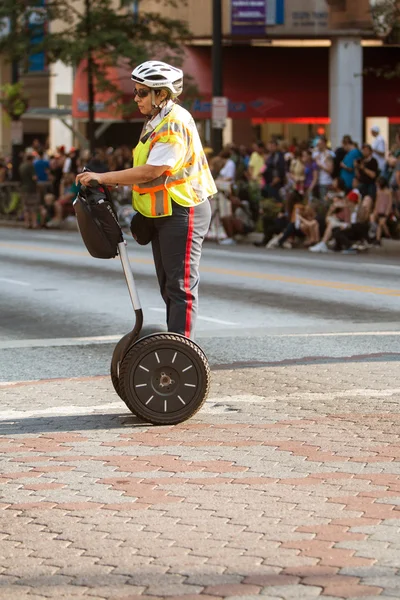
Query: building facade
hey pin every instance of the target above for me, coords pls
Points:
(291, 69)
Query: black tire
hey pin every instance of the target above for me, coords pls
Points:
(119, 349)
(115, 365)
(152, 381)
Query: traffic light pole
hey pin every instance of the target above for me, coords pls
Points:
(16, 148)
(216, 56)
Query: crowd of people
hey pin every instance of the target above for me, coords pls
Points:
(310, 195)
(299, 194)
(47, 179)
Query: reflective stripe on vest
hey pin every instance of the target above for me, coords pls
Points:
(188, 183)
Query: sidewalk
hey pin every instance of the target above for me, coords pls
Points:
(286, 485)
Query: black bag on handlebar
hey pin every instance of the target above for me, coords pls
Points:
(97, 221)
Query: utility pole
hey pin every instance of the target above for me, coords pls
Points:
(91, 125)
(16, 147)
(216, 56)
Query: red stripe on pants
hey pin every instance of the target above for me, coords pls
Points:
(186, 280)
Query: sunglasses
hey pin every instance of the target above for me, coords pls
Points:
(143, 93)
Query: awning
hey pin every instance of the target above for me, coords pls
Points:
(263, 83)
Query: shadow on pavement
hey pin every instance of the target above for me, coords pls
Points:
(307, 360)
(69, 423)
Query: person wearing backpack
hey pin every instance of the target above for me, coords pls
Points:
(172, 184)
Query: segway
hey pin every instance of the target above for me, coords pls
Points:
(162, 377)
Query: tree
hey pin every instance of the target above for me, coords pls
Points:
(95, 30)
(385, 16)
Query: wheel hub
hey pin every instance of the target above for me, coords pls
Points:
(165, 380)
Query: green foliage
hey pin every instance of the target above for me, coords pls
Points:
(78, 30)
(13, 100)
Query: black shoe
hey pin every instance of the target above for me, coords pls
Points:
(260, 244)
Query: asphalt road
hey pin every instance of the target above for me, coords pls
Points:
(62, 311)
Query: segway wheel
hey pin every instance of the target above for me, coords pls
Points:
(165, 378)
(115, 365)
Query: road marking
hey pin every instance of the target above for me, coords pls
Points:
(106, 339)
(340, 334)
(201, 318)
(14, 281)
(49, 342)
(57, 411)
(335, 285)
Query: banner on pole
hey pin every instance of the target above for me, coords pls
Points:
(248, 17)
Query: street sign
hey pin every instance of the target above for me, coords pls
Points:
(17, 133)
(219, 112)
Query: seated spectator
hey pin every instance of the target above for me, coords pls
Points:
(240, 221)
(355, 237)
(293, 230)
(366, 170)
(302, 224)
(382, 210)
(337, 190)
(63, 207)
(338, 217)
(309, 226)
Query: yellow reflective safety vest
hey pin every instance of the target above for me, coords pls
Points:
(189, 182)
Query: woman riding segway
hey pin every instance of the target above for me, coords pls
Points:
(172, 185)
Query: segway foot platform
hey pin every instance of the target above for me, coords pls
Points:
(164, 378)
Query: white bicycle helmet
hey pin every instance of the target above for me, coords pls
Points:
(156, 74)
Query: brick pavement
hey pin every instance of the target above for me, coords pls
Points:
(286, 485)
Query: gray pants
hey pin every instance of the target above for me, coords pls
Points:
(176, 247)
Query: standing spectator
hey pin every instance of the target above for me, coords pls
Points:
(347, 171)
(296, 174)
(70, 163)
(310, 174)
(378, 147)
(256, 163)
(42, 170)
(324, 159)
(228, 171)
(275, 172)
(366, 172)
(340, 153)
(56, 173)
(30, 196)
(382, 210)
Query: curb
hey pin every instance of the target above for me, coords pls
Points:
(389, 248)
